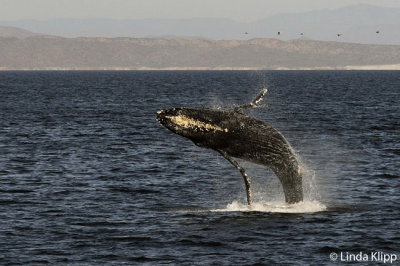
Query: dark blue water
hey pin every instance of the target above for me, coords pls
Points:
(88, 176)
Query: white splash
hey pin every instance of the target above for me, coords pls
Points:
(274, 207)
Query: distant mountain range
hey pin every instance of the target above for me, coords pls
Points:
(15, 32)
(357, 24)
(50, 52)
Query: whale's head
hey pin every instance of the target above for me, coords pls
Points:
(205, 127)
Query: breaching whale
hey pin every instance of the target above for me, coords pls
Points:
(235, 134)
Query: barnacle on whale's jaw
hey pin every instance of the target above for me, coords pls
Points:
(197, 125)
(176, 119)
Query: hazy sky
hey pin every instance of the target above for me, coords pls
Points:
(242, 10)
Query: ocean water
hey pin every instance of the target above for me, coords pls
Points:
(88, 176)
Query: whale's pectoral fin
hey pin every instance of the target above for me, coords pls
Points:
(245, 176)
(253, 103)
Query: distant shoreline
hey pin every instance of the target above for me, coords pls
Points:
(361, 67)
(55, 53)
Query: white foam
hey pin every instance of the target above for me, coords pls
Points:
(278, 207)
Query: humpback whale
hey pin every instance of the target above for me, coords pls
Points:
(232, 133)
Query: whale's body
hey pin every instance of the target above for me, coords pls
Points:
(235, 134)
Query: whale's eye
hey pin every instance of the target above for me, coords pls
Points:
(186, 122)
